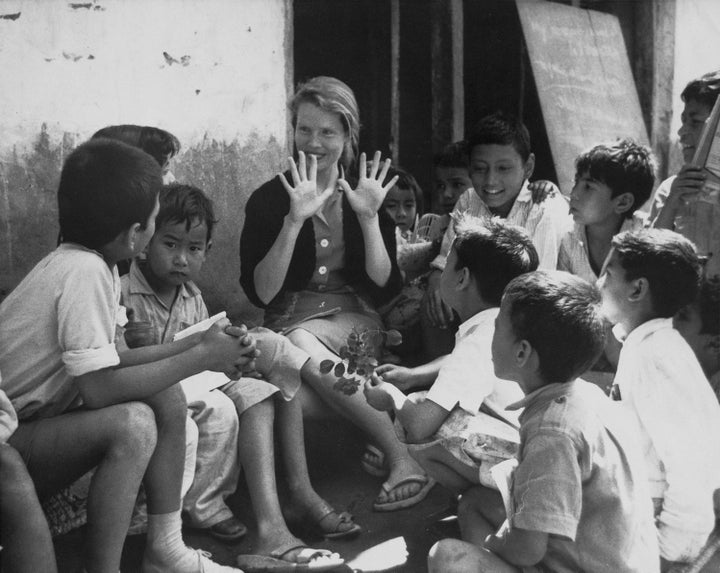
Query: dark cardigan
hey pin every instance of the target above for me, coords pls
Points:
(264, 214)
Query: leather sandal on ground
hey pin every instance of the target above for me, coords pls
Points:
(426, 482)
(310, 560)
(323, 520)
(230, 529)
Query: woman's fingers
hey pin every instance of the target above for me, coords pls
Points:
(285, 183)
(384, 172)
(375, 165)
(390, 184)
(363, 165)
(302, 166)
(294, 171)
(313, 168)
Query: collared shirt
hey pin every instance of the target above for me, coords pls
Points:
(8, 417)
(580, 478)
(545, 222)
(187, 309)
(57, 324)
(574, 256)
(467, 377)
(663, 386)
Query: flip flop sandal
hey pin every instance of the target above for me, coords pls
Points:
(274, 563)
(322, 520)
(373, 461)
(427, 484)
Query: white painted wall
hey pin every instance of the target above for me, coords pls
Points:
(80, 69)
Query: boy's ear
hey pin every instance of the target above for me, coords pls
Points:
(523, 354)
(209, 245)
(640, 289)
(131, 236)
(624, 202)
(529, 166)
(464, 279)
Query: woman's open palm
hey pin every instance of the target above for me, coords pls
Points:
(305, 199)
(370, 192)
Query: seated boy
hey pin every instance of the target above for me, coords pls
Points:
(484, 257)
(611, 183)
(81, 402)
(162, 291)
(578, 499)
(672, 206)
(650, 275)
(500, 164)
(699, 324)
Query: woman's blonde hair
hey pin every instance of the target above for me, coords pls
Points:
(335, 96)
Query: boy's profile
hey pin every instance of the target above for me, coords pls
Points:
(670, 204)
(484, 258)
(650, 275)
(67, 379)
(611, 182)
(577, 499)
(451, 177)
(500, 164)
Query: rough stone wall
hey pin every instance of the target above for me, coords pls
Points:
(213, 73)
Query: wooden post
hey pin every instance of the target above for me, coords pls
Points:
(395, 80)
(448, 93)
(653, 67)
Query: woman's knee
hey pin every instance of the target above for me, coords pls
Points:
(443, 556)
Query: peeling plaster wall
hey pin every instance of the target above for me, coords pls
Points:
(212, 72)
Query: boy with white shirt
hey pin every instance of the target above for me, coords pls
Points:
(484, 258)
(649, 276)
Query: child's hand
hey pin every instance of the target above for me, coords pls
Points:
(400, 376)
(224, 352)
(305, 198)
(370, 192)
(687, 184)
(377, 395)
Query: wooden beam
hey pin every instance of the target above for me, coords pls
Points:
(448, 92)
(395, 80)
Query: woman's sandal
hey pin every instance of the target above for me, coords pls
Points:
(323, 520)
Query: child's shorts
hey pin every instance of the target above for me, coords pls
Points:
(478, 441)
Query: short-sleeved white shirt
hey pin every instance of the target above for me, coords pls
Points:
(58, 323)
(663, 386)
(467, 377)
(545, 222)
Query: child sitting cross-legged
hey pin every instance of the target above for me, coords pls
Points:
(577, 499)
(483, 259)
(699, 324)
(650, 275)
(84, 403)
(162, 290)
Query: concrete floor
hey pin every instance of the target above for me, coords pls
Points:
(390, 542)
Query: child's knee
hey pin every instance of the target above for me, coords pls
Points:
(14, 477)
(133, 427)
(443, 554)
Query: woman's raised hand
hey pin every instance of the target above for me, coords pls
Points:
(370, 192)
(305, 199)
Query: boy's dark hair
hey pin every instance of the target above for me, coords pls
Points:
(501, 129)
(708, 302)
(624, 166)
(452, 155)
(559, 315)
(181, 203)
(495, 253)
(667, 260)
(158, 143)
(704, 89)
(105, 187)
(407, 181)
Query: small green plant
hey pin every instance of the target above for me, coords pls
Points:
(359, 358)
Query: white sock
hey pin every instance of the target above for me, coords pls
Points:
(166, 551)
